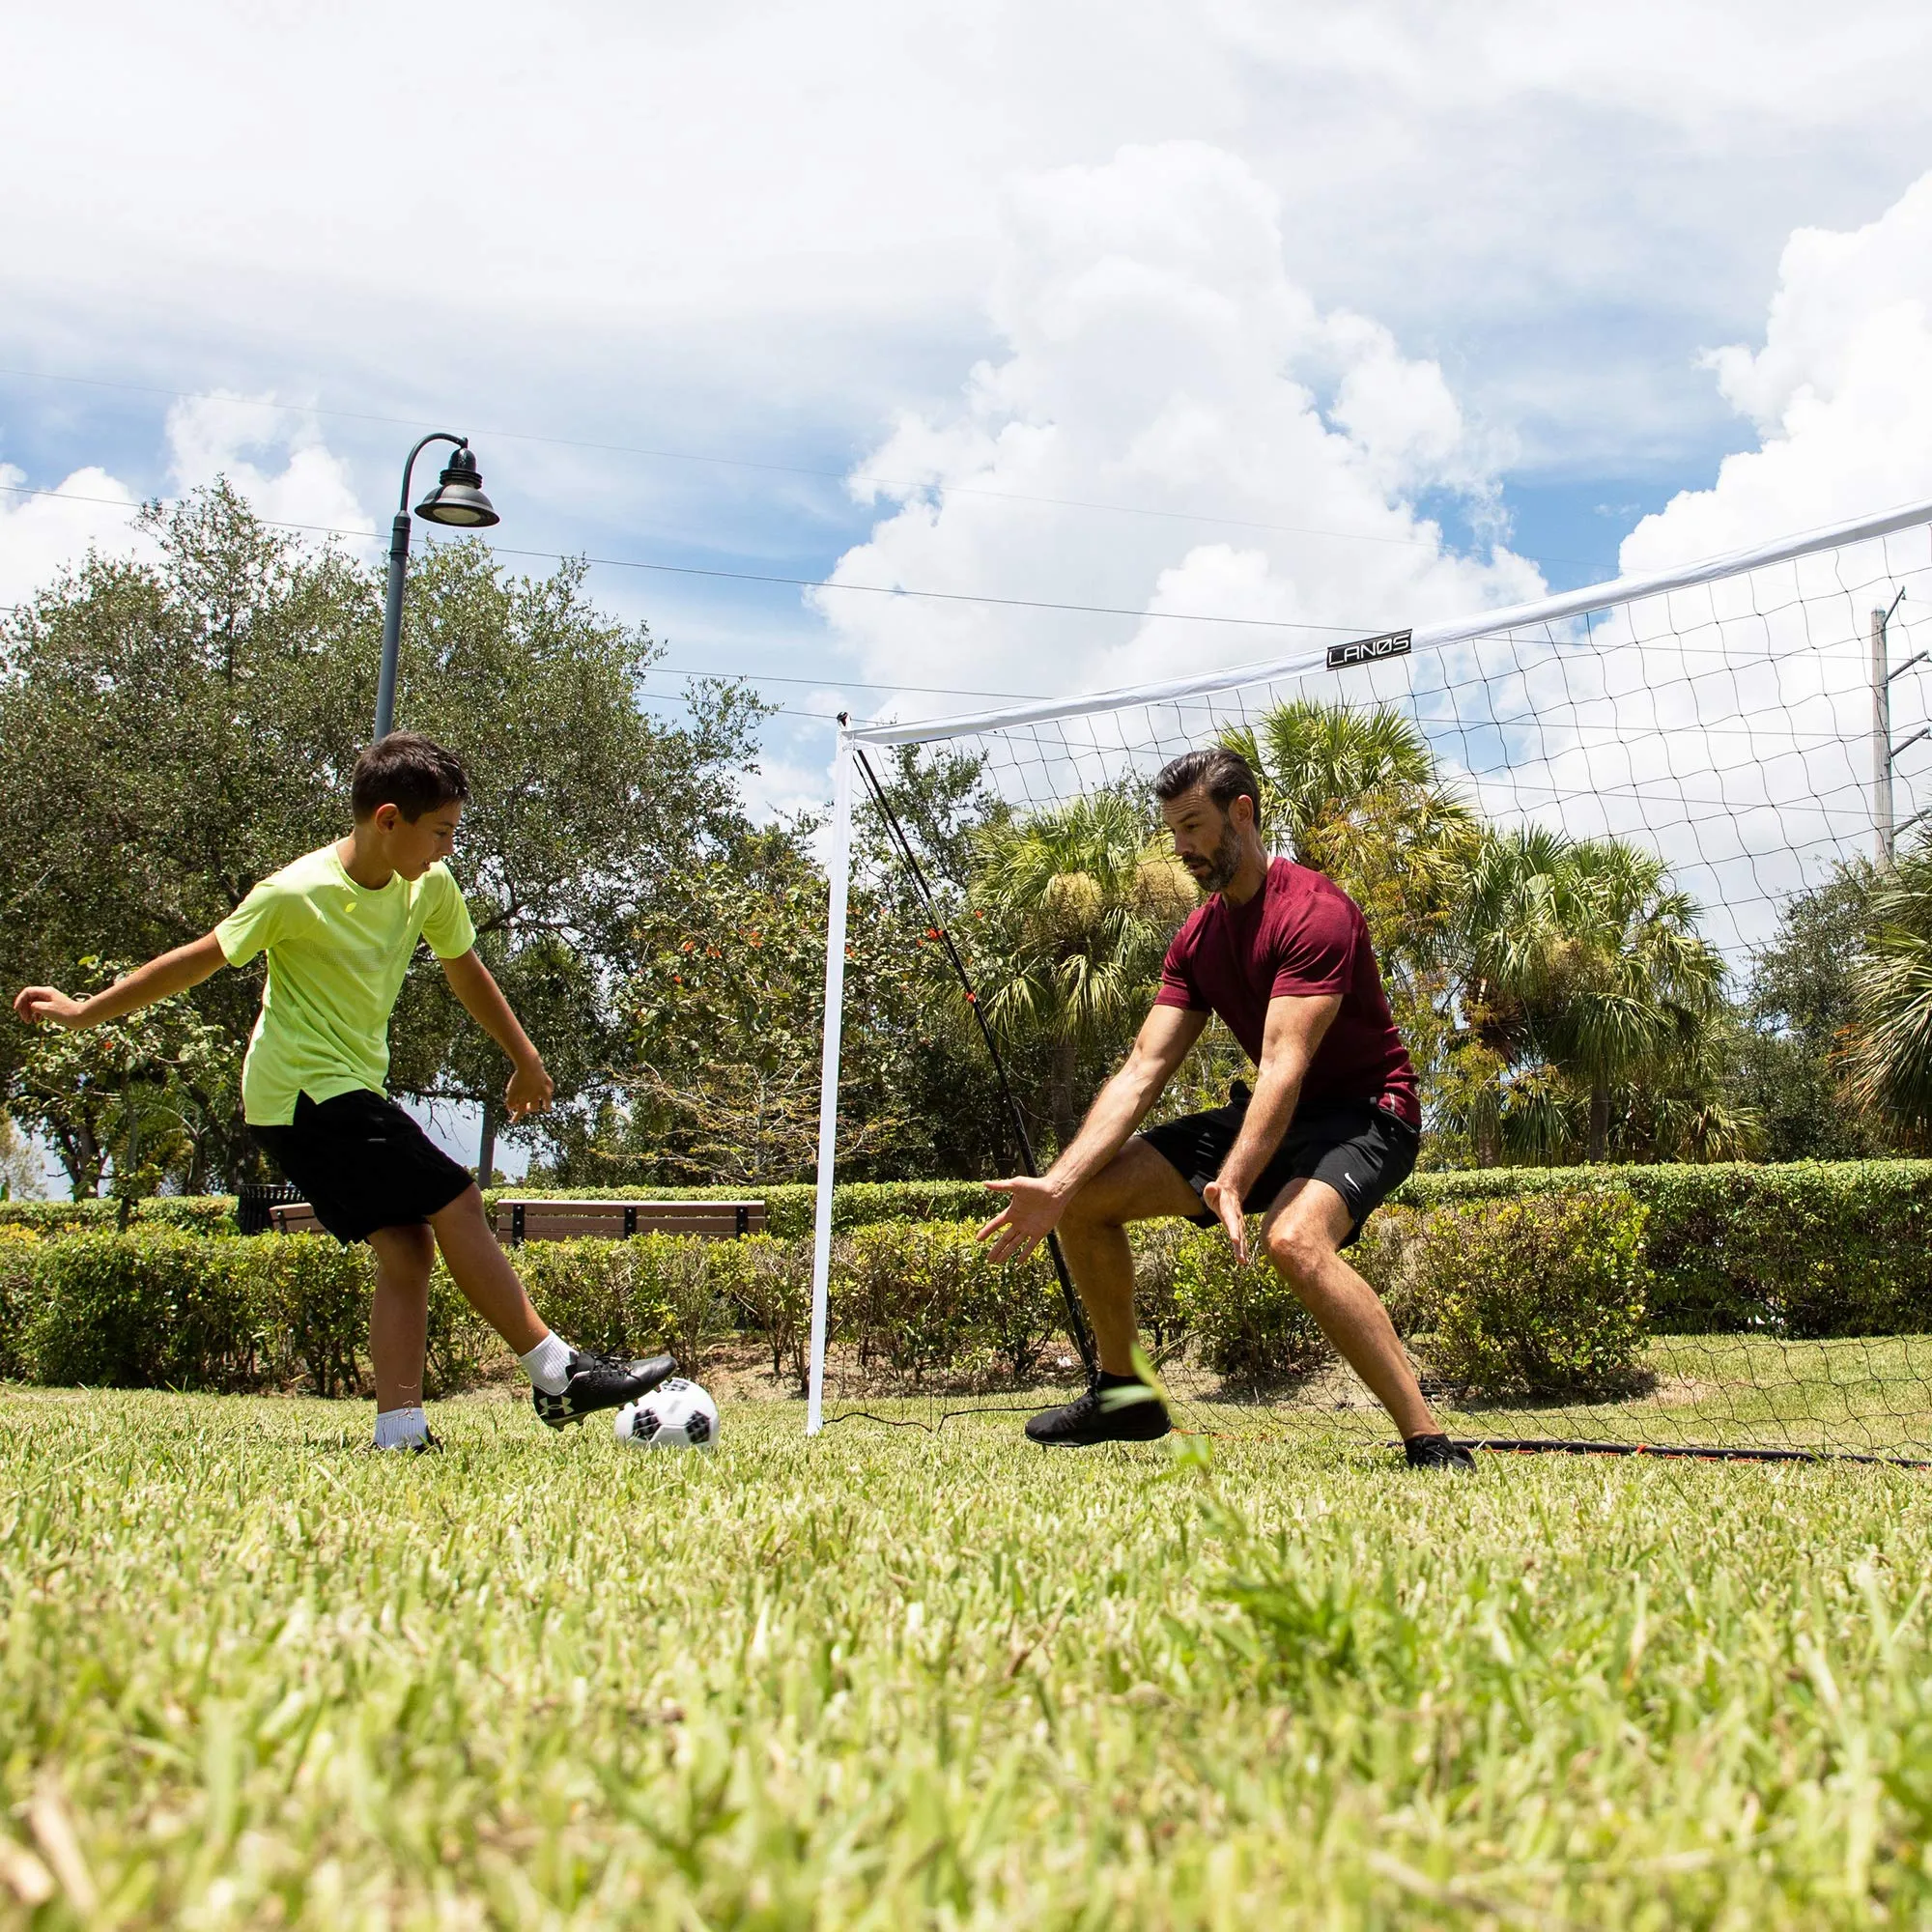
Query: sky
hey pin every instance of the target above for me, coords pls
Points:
(1339, 317)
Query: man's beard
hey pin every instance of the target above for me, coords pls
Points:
(1223, 866)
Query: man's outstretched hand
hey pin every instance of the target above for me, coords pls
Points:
(1032, 1213)
(34, 1003)
(1225, 1205)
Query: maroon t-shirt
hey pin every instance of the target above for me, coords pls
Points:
(1301, 935)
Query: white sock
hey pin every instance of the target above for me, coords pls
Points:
(548, 1364)
(398, 1428)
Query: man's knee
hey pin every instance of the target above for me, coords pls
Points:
(1091, 1206)
(1297, 1251)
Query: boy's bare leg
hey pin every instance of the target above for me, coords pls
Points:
(1138, 1184)
(399, 1315)
(1304, 1232)
(482, 1270)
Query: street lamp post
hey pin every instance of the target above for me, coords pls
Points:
(457, 501)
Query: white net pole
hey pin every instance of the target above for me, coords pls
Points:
(838, 870)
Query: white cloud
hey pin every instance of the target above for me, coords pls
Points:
(1840, 394)
(609, 211)
(216, 435)
(1157, 353)
(219, 435)
(39, 534)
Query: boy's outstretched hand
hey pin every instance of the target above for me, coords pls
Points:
(529, 1089)
(34, 1004)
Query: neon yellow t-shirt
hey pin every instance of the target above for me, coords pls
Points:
(338, 953)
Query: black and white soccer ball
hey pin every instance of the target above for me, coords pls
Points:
(676, 1414)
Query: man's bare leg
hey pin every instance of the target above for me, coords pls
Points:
(1303, 1233)
(1138, 1184)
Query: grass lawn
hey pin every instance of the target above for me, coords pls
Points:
(255, 1675)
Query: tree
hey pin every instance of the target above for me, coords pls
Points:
(1580, 953)
(173, 729)
(21, 1169)
(1889, 1054)
(143, 1095)
(170, 731)
(1079, 902)
(1790, 1065)
(588, 816)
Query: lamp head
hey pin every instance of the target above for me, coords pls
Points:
(458, 498)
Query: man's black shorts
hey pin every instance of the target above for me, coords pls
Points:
(361, 1163)
(1363, 1151)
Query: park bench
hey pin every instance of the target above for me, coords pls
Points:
(294, 1217)
(561, 1221)
(618, 1220)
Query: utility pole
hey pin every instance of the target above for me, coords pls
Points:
(1885, 752)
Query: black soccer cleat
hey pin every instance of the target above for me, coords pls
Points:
(1436, 1452)
(598, 1382)
(1092, 1418)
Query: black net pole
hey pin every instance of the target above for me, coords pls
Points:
(1076, 1318)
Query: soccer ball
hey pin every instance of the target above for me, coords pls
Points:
(676, 1414)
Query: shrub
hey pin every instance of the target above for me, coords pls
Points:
(902, 1298)
(771, 1282)
(19, 1250)
(929, 1300)
(194, 1213)
(1806, 1249)
(1014, 1310)
(1157, 1247)
(146, 1309)
(609, 1296)
(1249, 1324)
(1541, 1297)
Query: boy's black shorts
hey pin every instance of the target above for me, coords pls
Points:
(361, 1163)
(1363, 1151)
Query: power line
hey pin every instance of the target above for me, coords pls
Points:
(797, 582)
(898, 485)
(835, 681)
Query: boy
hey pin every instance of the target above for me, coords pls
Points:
(339, 928)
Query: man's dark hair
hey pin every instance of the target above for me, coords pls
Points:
(411, 772)
(1224, 774)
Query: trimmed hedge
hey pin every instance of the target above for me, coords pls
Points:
(192, 1213)
(789, 1209)
(1810, 1249)
(1806, 1250)
(1539, 1297)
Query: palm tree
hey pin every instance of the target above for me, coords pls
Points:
(1317, 763)
(1076, 907)
(1581, 953)
(1889, 1051)
(1357, 795)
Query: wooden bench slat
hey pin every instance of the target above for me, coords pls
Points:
(533, 1219)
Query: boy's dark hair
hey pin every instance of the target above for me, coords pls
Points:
(1224, 774)
(411, 772)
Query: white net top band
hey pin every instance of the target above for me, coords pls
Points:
(1567, 605)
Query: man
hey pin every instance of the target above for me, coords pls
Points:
(1283, 955)
(340, 926)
